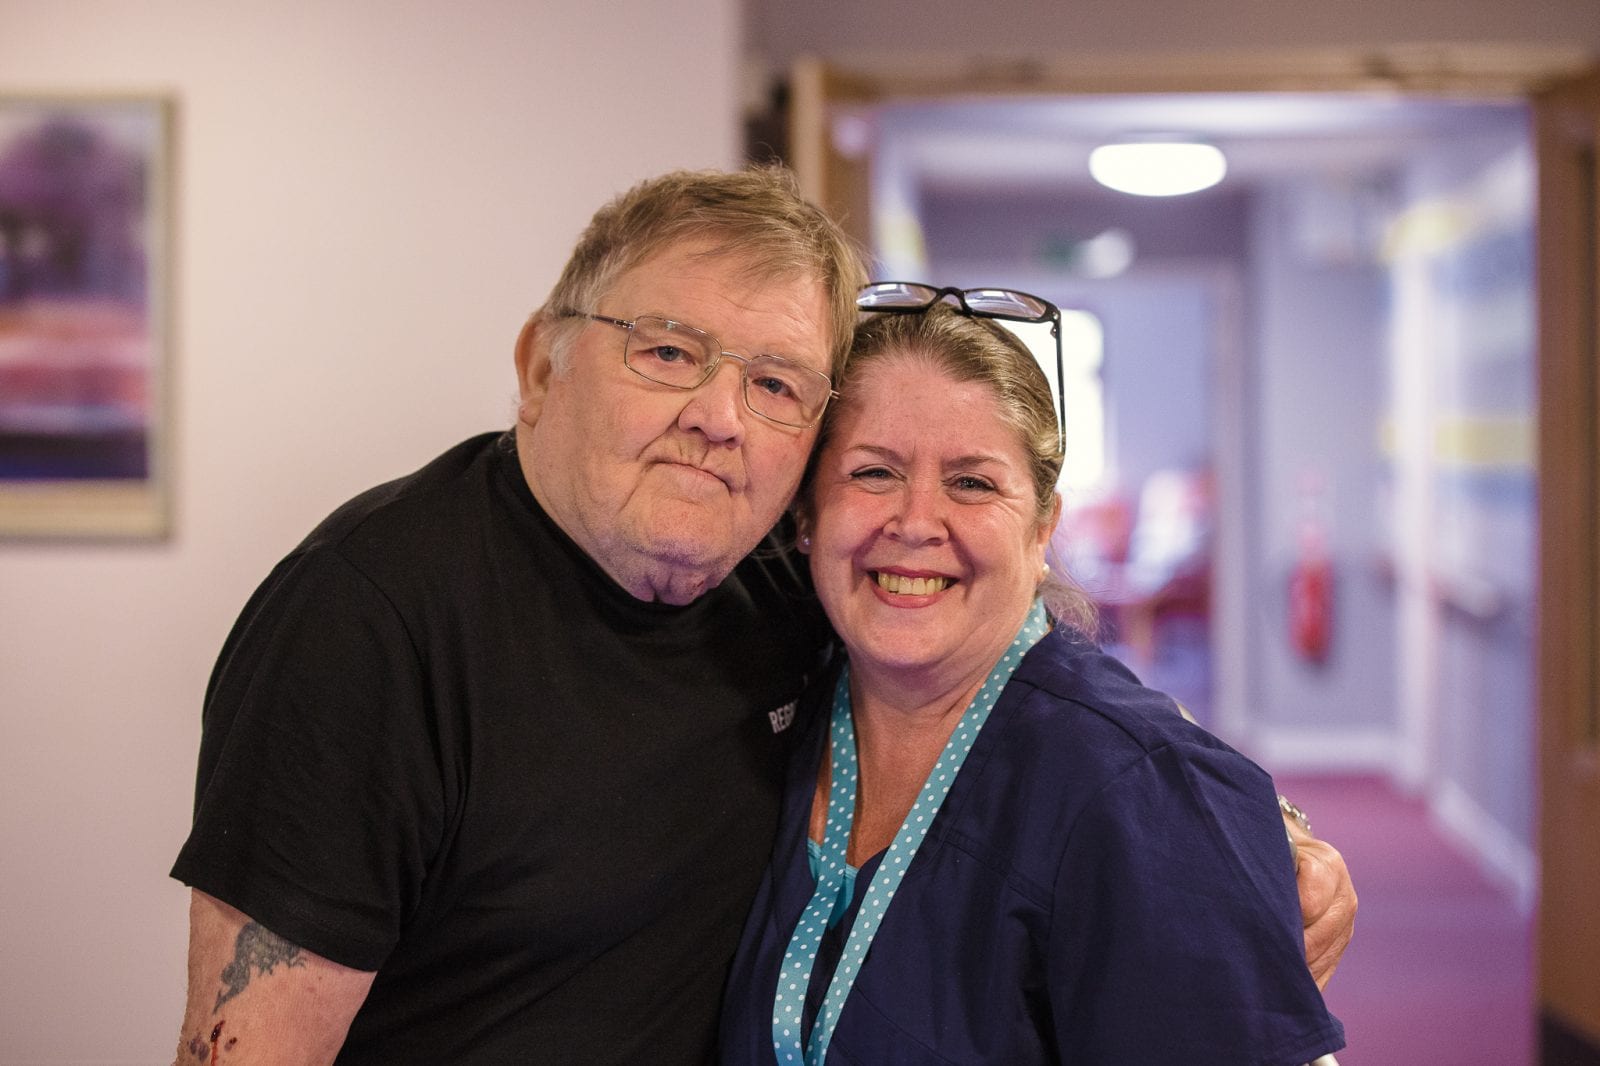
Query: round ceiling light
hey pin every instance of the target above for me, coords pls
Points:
(1157, 168)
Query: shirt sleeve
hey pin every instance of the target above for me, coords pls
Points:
(318, 801)
(1177, 934)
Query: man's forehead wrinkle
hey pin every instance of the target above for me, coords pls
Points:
(759, 262)
(652, 277)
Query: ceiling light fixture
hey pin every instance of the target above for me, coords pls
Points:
(1158, 167)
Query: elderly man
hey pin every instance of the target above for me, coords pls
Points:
(490, 761)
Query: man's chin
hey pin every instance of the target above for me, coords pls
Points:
(684, 552)
(676, 566)
(681, 580)
(713, 558)
(696, 536)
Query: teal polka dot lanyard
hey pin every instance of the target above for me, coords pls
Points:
(801, 955)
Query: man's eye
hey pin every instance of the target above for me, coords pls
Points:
(775, 385)
(666, 353)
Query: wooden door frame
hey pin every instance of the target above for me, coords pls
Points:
(1567, 134)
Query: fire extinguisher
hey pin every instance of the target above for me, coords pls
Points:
(1311, 582)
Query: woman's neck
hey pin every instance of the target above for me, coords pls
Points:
(900, 733)
(903, 718)
(891, 715)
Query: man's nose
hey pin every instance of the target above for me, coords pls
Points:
(717, 407)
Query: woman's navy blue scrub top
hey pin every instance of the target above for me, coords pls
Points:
(1105, 883)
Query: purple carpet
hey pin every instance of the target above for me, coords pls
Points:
(1441, 967)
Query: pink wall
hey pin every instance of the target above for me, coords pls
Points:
(371, 197)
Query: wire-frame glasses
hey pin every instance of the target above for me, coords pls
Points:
(682, 357)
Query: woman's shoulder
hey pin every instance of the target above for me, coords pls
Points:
(1078, 749)
(1068, 695)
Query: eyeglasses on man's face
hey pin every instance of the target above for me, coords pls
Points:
(682, 357)
(909, 297)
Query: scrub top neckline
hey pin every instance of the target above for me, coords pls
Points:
(789, 1047)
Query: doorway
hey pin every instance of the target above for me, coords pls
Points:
(1346, 328)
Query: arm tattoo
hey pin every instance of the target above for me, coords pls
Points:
(255, 949)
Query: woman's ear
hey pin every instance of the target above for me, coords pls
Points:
(1047, 528)
(802, 529)
(534, 368)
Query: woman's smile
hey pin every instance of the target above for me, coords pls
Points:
(908, 585)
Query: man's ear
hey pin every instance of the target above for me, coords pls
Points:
(534, 368)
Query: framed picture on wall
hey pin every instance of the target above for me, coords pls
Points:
(85, 347)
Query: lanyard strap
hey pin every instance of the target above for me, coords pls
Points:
(800, 958)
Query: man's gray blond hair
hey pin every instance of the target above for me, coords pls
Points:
(757, 214)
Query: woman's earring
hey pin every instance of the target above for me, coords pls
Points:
(805, 543)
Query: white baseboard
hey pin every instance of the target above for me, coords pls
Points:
(1505, 859)
(1284, 751)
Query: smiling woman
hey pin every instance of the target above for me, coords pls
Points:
(1018, 831)
(926, 541)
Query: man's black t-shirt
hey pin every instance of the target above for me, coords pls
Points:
(441, 743)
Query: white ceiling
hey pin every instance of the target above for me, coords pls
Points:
(1044, 142)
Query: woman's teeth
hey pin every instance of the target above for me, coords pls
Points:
(912, 586)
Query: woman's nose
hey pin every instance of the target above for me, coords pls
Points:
(919, 518)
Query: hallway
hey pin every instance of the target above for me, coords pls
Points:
(1441, 967)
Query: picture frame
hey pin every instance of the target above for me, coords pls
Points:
(85, 316)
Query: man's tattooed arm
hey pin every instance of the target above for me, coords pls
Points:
(255, 999)
(255, 949)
